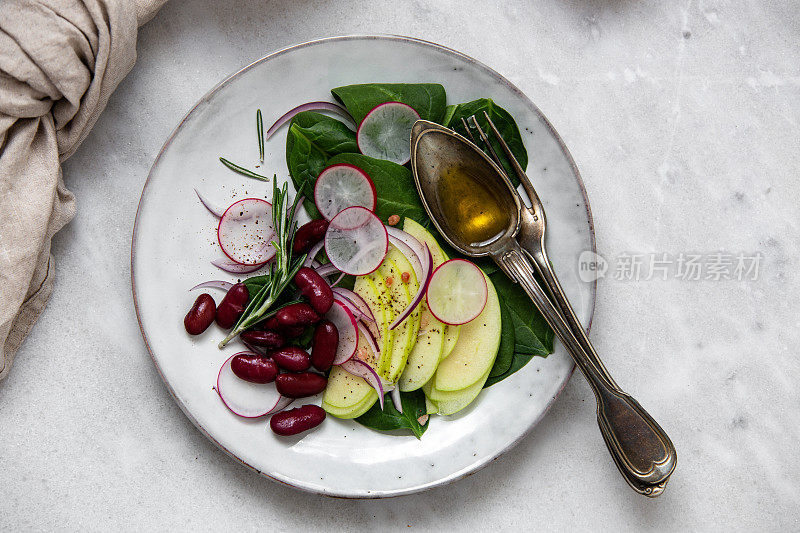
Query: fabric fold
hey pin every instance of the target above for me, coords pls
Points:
(60, 60)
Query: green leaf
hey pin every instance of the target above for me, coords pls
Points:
(505, 354)
(428, 99)
(397, 193)
(532, 334)
(505, 124)
(390, 418)
(314, 138)
(519, 361)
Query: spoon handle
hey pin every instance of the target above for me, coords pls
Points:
(641, 450)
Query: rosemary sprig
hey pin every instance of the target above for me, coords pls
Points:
(281, 271)
(242, 170)
(260, 132)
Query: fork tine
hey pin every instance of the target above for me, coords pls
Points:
(485, 140)
(527, 184)
(468, 129)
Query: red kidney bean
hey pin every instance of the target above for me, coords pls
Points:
(326, 341)
(300, 385)
(254, 368)
(292, 358)
(300, 314)
(314, 288)
(232, 306)
(308, 235)
(263, 339)
(290, 332)
(201, 315)
(297, 420)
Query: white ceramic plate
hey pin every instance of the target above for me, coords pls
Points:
(174, 239)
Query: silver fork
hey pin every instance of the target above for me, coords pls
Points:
(612, 402)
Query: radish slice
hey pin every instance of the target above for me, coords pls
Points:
(222, 285)
(385, 133)
(363, 370)
(312, 253)
(347, 325)
(356, 241)
(341, 186)
(395, 395)
(214, 210)
(310, 106)
(245, 399)
(245, 231)
(232, 267)
(356, 300)
(424, 281)
(457, 292)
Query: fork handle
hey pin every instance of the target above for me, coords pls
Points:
(641, 450)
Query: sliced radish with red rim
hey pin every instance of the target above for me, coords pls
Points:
(245, 231)
(245, 399)
(347, 325)
(457, 292)
(385, 133)
(214, 284)
(341, 186)
(356, 241)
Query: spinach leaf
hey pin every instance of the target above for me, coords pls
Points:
(517, 363)
(397, 193)
(505, 353)
(390, 418)
(505, 124)
(532, 334)
(428, 99)
(314, 138)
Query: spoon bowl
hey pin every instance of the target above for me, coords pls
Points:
(469, 199)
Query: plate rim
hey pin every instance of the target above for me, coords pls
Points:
(471, 469)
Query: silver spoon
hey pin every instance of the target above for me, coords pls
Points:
(640, 448)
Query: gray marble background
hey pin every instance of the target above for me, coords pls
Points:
(683, 118)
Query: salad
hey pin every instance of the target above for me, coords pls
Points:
(365, 304)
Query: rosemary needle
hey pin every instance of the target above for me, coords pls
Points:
(260, 131)
(242, 170)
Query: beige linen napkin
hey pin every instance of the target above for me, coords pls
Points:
(60, 60)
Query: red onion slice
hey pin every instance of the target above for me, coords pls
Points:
(395, 395)
(363, 370)
(357, 302)
(312, 253)
(214, 284)
(232, 267)
(327, 270)
(410, 242)
(340, 278)
(245, 399)
(347, 325)
(427, 272)
(214, 210)
(364, 331)
(310, 106)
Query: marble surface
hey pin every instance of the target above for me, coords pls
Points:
(683, 118)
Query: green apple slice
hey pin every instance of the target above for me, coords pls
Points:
(344, 390)
(476, 349)
(449, 403)
(451, 334)
(424, 358)
(405, 334)
(373, 291)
